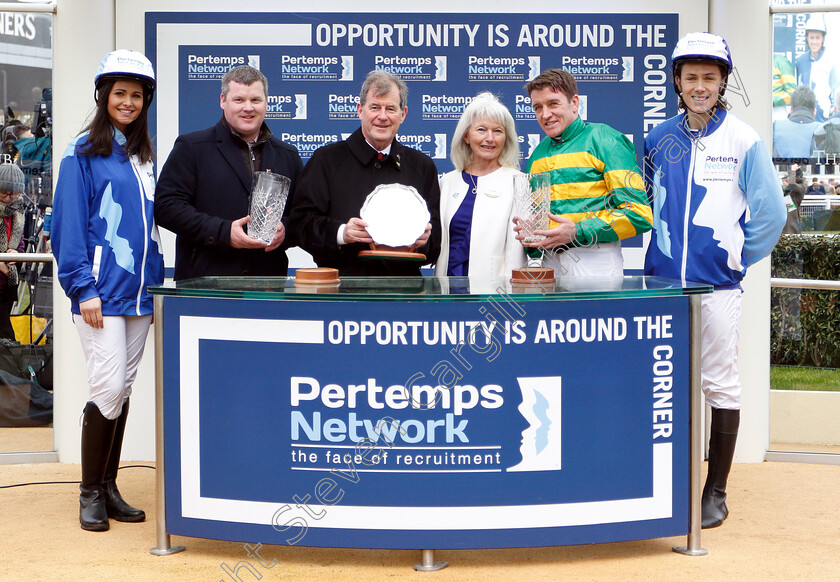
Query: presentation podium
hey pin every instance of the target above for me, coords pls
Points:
(428, 413)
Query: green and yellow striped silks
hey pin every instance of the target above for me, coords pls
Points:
(595, 181)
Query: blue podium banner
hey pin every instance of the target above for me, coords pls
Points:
(426, 425)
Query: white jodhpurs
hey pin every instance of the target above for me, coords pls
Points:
(113, 355)
(720, 324)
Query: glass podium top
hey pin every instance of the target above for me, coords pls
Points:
(426, 289)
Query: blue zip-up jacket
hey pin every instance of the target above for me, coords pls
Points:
(103, 236)
(700, 187)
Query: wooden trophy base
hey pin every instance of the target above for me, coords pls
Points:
(383, 252)
(532, 276)
(318, 277)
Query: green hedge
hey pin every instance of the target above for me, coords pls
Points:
(805, 323)
(822, 220)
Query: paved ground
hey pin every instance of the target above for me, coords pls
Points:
(784, 525)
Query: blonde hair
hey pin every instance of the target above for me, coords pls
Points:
(485, 106)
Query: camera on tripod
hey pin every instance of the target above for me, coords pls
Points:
(42, 127)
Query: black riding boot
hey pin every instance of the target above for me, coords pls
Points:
(97, 436)
(721, 450)
(114, 503)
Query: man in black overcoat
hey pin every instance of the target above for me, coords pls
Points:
(204, 189)
(339, 176)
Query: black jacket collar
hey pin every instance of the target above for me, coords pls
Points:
(366, 155)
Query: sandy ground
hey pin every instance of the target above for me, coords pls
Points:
(13, 440)
(784, 525)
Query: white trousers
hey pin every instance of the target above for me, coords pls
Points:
(720, 317)
(113, 355)
(600, 266)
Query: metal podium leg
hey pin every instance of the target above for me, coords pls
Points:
(428, 563)
(163, 547)
(696, 432)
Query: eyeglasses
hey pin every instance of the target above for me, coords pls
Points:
(7, 194)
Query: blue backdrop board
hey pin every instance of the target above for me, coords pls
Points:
(426, 424)
(316, 63)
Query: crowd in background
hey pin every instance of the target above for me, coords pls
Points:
(806, 99)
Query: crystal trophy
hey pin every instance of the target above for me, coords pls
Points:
(532, 199)
(268, 200)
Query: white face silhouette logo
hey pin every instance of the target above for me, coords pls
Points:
(541, 440)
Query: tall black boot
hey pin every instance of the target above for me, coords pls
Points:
(721, 450)
(114, 503)
(97, 436)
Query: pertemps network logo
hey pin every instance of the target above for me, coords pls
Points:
(211, 66)
(440, 68)
(306, 143)
(440, 147)
(346, 68)
(443, 107)
(316, 68)
(342, 106)
(431, 144)
(628, 66)
(528, 143)
(287, 106)
(490, 68)
(620, 69)
(414, 68)
(534, 140)
(541, 447)
(522, 109)
(534, 67)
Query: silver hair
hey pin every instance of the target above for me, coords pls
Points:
(382, 82)
(485, 106)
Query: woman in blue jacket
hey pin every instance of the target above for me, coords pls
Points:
(107, 249)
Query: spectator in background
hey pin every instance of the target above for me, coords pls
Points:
(788, 262)
(827, 135)
(794, 137)
(12, 182)
(794, 194)
(11, 133)
(814, 68)
(829, 189)
(34, 155)
(816, 188)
